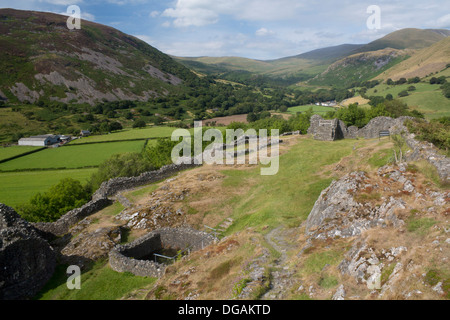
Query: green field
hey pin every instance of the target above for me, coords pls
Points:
(9, 152)
(18, 187)
(129, 134)
(99, 282)
(316, 109)
(71, 157)
(426, 98)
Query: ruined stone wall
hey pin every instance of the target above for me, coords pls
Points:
(113, 186)
(62, 225)
(428, 152)
(125, 258)
(27, 261)
(331, 130)
(100, 199)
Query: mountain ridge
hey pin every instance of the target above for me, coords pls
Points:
(316, 61)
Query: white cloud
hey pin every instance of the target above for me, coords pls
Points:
(190, 16)
(205, 12)
(443, 22)
(263, 32)
(154, 14)
(62, 2)
(126, 2)
(84, 15)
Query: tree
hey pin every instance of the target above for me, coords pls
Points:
(139, 124)
(403, 93)
(252, 117)
(119, 165)
(115, 126)
(396, 108)
(58, 200)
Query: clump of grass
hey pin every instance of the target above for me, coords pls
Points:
(365, 197)
(317, 261)
(420, 226)
(381, 158)
(223, 269)
(432, 277)
(239, 287)
(328, 282)
(386, 273)
(99, 282)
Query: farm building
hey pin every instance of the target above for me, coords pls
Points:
(85, 133)
(39, 141)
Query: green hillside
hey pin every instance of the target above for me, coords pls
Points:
(42, 59)
(352, 70)
(406, 39)
(422, 63)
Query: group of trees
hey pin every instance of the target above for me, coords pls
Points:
(445, 86)
(401, 81)
(58, 200)
(299, 122)
(354, 115)
(306, 97)
(436, 131)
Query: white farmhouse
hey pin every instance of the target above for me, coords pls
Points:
(39, 141)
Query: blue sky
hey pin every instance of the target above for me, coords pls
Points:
(258, 29)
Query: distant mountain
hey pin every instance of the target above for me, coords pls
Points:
(326, 54)
(40, 58)
(318, 62)
(406, 39)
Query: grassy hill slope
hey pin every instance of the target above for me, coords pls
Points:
(42, 59)
(359, 67)
(409, 38)
(424, 62)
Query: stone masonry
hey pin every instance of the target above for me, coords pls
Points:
(128, 258)
(27, 261)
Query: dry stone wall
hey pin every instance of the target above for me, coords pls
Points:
(113, 186)
(128, 258)
(101, 200)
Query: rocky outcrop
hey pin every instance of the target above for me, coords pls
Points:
(90, 246)
(367, 265)
(359, 202)
(27, 261)
(338, 213)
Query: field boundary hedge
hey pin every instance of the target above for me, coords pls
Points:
(22, 155)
